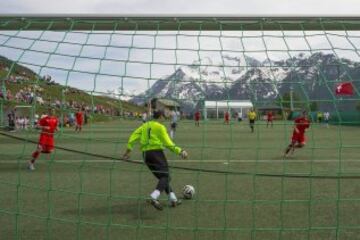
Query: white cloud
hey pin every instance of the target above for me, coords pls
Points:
(123, 47)
(138, 62)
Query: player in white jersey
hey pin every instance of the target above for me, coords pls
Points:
(326, 118)
(144, 117)
(174, 119)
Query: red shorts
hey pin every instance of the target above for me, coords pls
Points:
(46, 143)
(197, 119)
(299, 138)
(79, 122)
(269, 119)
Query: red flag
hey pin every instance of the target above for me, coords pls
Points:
(344, 88)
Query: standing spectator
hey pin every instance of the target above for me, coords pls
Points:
(239, 117)
(9, 96)
(31, 96)
(22, 123)
(326, 118)
(71, 119)
(86, 117)
(18, 96)
(26, 122)
(65, 121)
(17, 123)
(11, 120)
(319, 116)
(144, 117)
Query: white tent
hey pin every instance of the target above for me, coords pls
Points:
(239, 106)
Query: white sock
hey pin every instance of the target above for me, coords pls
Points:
(155, 194)
(172, 196)
(171, 134)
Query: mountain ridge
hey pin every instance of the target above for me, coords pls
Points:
(311, 77)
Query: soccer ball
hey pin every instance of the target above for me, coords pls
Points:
(188, 192)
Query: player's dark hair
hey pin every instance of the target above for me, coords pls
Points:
(157, 114)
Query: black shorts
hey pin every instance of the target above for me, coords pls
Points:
(173, 125)
(11, 123)
(252, 121)
(157, 163)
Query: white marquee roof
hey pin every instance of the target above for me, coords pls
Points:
(228, 104)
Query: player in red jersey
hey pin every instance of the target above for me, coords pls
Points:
(227, 117)
(269, 118)
(79, 116)
(48, 125)
(298, 137)
(197, 117)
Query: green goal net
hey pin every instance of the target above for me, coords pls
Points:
(118, 69)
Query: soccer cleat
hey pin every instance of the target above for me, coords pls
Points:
(31, 167)
(288, 150)
(292, 151)
(175, 203)
(156, 204)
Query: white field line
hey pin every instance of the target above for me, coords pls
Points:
(198, 161)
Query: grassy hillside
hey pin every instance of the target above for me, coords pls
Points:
(16, 69)
(51, 92)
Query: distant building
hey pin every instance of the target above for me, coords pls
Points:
(216, 109)
(165, 105)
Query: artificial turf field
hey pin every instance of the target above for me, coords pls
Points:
(79, 196)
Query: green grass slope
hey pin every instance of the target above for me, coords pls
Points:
(56, 91)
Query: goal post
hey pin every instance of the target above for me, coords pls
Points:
(63, 22)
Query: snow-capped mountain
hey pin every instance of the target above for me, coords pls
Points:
(312, 77)
(201, 80)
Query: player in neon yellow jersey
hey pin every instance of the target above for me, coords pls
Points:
(153, 139)
(252, 118)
